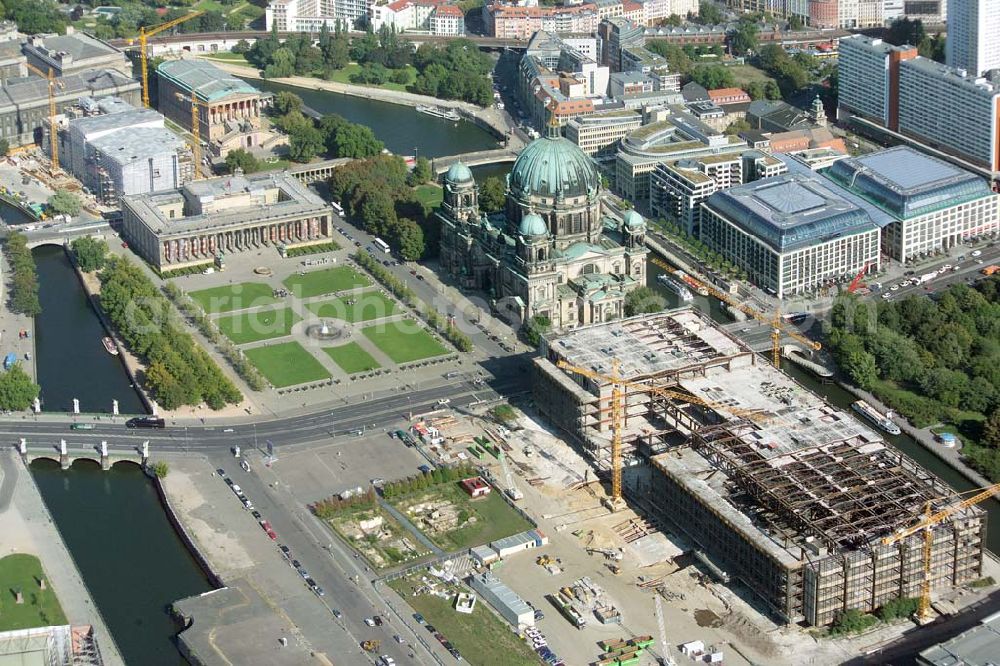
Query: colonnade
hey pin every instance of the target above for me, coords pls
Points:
(207, 246)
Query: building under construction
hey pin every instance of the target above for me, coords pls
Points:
(773, 486)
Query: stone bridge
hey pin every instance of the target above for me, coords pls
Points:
(66, 454)
(65, 235)
(496, 156)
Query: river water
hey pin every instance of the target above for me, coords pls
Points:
(131, 559)
(402, 130)
(71, 361)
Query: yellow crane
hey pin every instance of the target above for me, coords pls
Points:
(778, 325)
(195, 132)
(143, 57)
(618, 387)
(53, 137)
(926, 525)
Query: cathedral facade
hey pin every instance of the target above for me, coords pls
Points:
(552, 252)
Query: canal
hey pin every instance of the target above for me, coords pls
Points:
(403, 130)
(70, 360)
(841, 398)
(131, 559)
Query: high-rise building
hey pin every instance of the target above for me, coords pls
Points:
(973, 35)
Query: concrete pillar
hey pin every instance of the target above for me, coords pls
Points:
(145, 451)
(114, 407)
(154, 407)
(22, 448)
(105, 460)
(63, 454)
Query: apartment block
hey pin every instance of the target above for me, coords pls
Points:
(973, 35)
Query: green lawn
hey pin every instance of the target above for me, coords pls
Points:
(481, 637)
(234, 297)
(40, 608)
(287, 364)
(360, 307)
(494, 517)
(326, 281)
(258, 325)
(351, 358)
(430, 195)
(344, 76)
(744, 74)
(404, 341)
(236, 58)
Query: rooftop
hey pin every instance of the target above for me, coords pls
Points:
(79, 46)
(208, 81)
(90, 125)
(906, 183)
(979, 646)
(129, 145)
(790, 211)
(95, 82)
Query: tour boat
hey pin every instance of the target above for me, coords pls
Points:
(437, 112)
(109, 346)
(673, 285)
(691, 282)
(873, 415)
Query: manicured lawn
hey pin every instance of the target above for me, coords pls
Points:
(226, 56)
(40, 608)
(482, 638)
(344, 76)
(258, 325)
(494, 519)
(404, 341)
(430, 195)
(351, 358)
(234, 296)
(360, 307)
(744, 74)
(287, 364)
(326, 281)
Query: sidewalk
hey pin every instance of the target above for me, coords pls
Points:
(58, 564)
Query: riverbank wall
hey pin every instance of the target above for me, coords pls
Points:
(182, 532)
(16, 203)
(129, 362)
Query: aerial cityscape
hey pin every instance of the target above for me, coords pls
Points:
(316, 316)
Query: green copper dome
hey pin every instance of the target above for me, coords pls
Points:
(533, 225)
(458, 173)
(553, 166)
(633, 220)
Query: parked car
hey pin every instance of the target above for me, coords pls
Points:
(369, 622)
(419, 618)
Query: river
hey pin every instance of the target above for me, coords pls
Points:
(402, 130)
(70, 360)
(841, 398)
(132, 560)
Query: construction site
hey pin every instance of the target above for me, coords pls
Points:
(773, 488)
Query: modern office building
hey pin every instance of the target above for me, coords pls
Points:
(124, 151)
(74, 53)
(553, 253)
(599, 133)
(792, 502)
(792, 234)
(973, 35)
(678, 188)
(869, 78)
(229, 108)
(196, 223)
(24, 105)
(930, 205)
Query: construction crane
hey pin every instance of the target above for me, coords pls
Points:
(926, 525)
(856, 282)
(618, 387)
(53, 137)
(144, 35)
(778, 325)
(195, 132)
(665, 659)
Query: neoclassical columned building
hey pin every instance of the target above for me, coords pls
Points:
(210, 218)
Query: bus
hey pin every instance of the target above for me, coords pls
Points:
(990, 270)
(381, 244)
(337, 208)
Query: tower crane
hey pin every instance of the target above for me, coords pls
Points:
(143, 57)
(618, 387)
(666, 659)
(778, 325)
(926, 525)
(53, 137)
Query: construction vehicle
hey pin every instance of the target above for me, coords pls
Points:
(370, 645)
(618, 386)
(926, 525)
(543, 560)
(143, 55)
(779, 326)
(856, 282)
(610, 553)
(53, 136)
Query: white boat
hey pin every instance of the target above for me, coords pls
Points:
(438, 112)
(109, 346)
(673, 285)
(881, 420)
(691, 282)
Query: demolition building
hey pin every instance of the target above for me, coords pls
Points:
(776, 488)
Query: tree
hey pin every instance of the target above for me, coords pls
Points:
(795, 22)
(90, 253)
(738, 126)
(160, 469)
(286, 102)
(304, 142)
(536, 327)
(64, 202)
(378, 213)
(356, 141)
(410, 238)
(712, 77)
(492, 195)
(744, 39)
(991, 430)
(282, 64)
(851, 621)
(17, 391)
(709, 13)
(421, 172)
(243, 160)
(643, 300)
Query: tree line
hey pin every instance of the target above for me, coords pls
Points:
(178, 372)
(333, 135)
(932, 360)
(24, 276)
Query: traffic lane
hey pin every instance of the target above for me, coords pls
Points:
(306, 543)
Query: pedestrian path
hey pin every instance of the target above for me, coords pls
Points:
(405, 522)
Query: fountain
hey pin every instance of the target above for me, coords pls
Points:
(324, 332)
